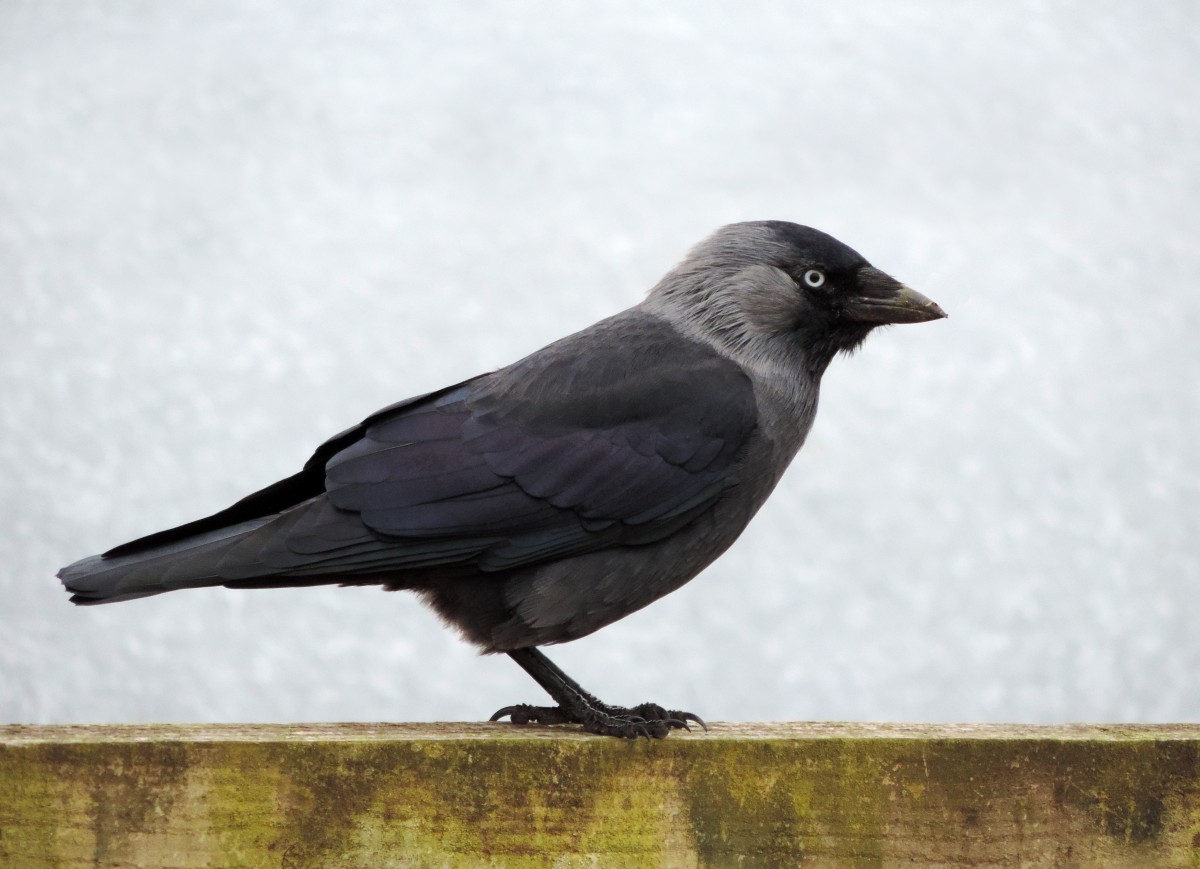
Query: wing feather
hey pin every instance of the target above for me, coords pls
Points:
(613, 436)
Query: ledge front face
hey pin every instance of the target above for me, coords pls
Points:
(452, 795)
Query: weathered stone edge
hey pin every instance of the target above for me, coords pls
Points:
(20, 734)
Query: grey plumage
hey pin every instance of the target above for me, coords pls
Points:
(545, 500)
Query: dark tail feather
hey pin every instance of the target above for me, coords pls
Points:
(189, 563)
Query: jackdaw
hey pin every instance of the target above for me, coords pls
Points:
(537, 503)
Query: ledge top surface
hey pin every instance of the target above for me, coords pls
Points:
(20, 734)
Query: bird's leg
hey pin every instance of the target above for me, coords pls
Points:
(576, 706)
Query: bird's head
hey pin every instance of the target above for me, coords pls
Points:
(767, 288)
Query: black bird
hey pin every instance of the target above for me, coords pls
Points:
(540, 502)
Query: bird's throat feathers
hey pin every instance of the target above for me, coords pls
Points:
(825, 340)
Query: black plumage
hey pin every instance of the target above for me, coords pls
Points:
(540, 502)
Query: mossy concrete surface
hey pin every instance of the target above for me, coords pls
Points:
(469, 795)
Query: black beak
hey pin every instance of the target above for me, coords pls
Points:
(883, 299)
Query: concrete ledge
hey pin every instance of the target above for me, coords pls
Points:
(459, 795)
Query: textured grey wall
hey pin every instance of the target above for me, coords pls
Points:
(228, 230)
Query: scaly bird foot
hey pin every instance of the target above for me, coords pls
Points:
(647, 719)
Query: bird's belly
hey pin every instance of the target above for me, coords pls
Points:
(569, 599)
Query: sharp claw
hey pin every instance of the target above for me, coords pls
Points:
(500, 713)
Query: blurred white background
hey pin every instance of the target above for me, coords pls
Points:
(229, 230)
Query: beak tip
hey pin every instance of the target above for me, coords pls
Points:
(885, 300)
(921, 309)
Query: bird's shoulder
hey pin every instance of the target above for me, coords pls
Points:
(630, 369)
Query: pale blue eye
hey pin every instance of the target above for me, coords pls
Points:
(814, 278)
